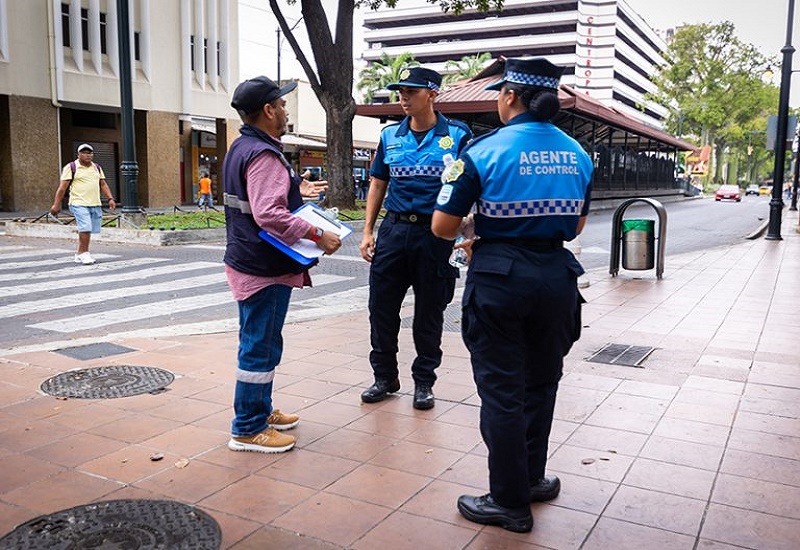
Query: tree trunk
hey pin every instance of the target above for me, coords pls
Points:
(339, 114)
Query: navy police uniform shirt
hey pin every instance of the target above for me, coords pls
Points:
(529, 180)
(413, 169)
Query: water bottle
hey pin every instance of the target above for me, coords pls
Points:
(459, 256)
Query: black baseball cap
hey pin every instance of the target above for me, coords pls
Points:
(251, 95)
(529, 71)
(418, 77)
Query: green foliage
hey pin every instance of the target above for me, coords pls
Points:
(467, 67)
(186, 220)
(381, 73)
(714, 90)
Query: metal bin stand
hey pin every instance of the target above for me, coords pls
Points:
(637, 248)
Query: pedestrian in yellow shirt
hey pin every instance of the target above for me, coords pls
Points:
(205, 191)
(85, 180)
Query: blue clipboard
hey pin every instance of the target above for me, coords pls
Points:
(304, 251)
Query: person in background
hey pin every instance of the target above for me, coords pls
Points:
(409, 162)
(531, 183)
(85, 181)
(205, 192)
(261, 191)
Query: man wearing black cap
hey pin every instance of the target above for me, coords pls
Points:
(261, 191)
(520, 310)
(409, 161)
(85, 181)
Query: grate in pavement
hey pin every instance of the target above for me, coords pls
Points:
(621, 354)
(129, 524)
(108, 382)
(452, 318)
(94, 351)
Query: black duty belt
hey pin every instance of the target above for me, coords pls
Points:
(424, 219)
(537, 245)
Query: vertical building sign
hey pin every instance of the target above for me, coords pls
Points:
(594, 64)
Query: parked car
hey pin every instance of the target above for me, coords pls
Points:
(728, 192)
(765, 190)
(752, 189)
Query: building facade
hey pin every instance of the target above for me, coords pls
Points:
(607, 48)
(59, 87)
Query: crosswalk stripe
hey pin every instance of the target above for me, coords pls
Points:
(148, 310)
(29, 253)
(51, 261)
(135, 313)
(77, 269)
(82, 298)
(74, 282)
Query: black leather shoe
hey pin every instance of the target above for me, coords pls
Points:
(378, 391)
(486, 511)
(423, 397)
(547, 488)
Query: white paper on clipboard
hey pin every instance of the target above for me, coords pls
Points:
(306, 248)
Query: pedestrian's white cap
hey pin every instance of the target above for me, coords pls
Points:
(84, 146)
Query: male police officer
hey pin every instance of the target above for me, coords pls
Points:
(532, 185)
(409, 161)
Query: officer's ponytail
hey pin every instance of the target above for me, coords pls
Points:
(542, 103)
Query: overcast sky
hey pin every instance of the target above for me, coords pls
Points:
(758, 22)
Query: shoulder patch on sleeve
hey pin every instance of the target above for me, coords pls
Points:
(444, 194)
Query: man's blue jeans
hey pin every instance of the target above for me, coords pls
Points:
(261, 319)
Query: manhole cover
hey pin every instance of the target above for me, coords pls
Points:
(94, 351)
(119, 524)
(621, 354)
(107, 382)
(452, 319)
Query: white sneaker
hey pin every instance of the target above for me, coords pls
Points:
(85, 258)
(77, 259)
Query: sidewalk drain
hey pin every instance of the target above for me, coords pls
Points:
(132, 524)
(94, 351)
(621, 354)
(108, 382)
(452, 319)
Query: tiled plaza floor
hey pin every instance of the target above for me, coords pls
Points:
(698, 449)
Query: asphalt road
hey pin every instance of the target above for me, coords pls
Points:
(48, 302)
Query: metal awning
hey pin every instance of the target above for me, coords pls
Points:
(298, 141)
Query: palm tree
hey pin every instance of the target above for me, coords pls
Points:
(468, 67)
(383, 72)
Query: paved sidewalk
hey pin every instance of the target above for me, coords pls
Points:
(700, 448)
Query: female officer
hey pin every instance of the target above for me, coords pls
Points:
(531, 183)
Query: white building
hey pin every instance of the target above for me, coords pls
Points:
(59, 87)
(607, 48)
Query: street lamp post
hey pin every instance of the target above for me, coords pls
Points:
(776, 204)
(278, 32)
(129, 168)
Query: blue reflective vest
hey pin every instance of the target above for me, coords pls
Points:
(533, 182)
(246, 252)
(413, 169)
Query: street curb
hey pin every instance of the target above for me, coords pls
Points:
(758, 232)
(118, 234)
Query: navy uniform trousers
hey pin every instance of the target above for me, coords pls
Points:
(409, 255)
(519, 316)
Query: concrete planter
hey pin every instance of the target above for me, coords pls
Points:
(118, 234)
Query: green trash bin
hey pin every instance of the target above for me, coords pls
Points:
(638, 244)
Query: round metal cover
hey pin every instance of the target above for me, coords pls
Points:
(119, 525)
(107, 382)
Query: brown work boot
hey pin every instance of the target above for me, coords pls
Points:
(268, 441)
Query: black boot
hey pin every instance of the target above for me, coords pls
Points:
(486, 511)
(378, 391)
(547, 488)
(423, 397)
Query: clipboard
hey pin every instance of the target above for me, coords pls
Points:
(305, 251)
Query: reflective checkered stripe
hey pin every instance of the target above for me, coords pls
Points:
(531, 208)
(412, 171)
(531, 79)
(232, 201)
